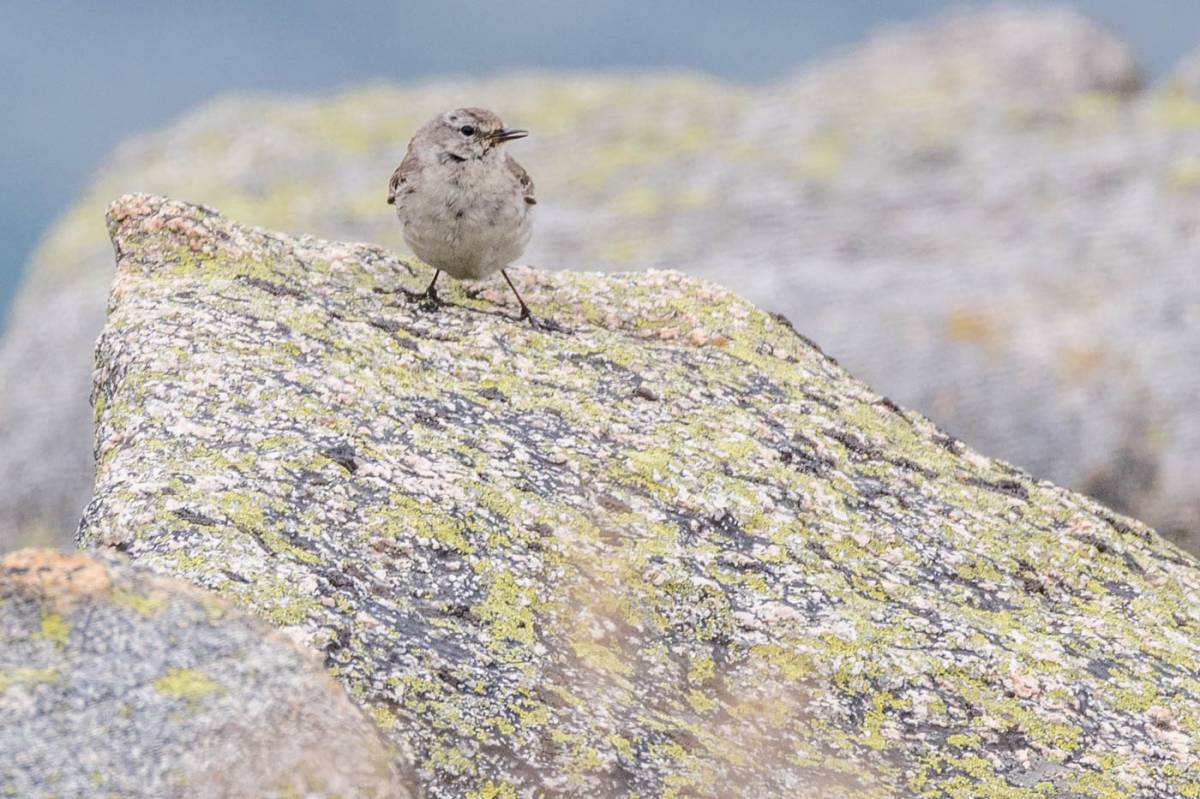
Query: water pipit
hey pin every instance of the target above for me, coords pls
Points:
(465, 204)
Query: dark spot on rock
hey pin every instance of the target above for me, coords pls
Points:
(889, 404)
(355, 571)
(948, 442)
(429, 418)
(818, 399)
(911, 466)
(274, 289)
(727, 523)
(1010, 488)
(551, 698)
(870, 489)
(386, 325)
(1124, 528)
(340, 639)
(457, 610)
(802, 454)
(645, 392)
(449, 677)
(492, 393)
(613, 504)
(1011, 740)
(309, 477)
(1033, 584)
(343, 455)
(542, 530)
(337, 579)
(391, 326)
(783, 320)
(855, 445)
(1104, 548)
(685, 738)
(192, 517)
(1122, 590)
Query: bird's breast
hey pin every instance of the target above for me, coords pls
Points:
(467, 221)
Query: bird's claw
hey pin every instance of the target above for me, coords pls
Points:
(428, 298)
(545, 323)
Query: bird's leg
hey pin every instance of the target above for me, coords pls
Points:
(429, 296)
(430, 292)
(542, 324)
(525, 314)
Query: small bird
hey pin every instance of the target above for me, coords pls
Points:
(464, 203)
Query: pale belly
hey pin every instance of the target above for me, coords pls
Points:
(467, 236)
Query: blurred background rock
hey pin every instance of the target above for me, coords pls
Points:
(990, 215)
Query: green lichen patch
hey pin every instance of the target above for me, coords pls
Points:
(142, 604)
(189, 685)
(24, 675)
(54, 628)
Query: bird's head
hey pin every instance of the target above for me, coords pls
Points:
(468, 133)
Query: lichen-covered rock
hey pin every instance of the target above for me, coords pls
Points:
(965, 212)
(669, 550)
(1184, 81)
(118, 682)
(999, 60)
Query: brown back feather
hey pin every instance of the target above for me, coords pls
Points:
(522, 177)
(403, 174)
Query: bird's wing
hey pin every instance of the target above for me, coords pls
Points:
(522, 177)
(404, 174)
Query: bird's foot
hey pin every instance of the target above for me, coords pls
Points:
(545, 323)
(428, 299)
(429, 296)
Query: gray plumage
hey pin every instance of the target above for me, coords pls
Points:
(464, 203)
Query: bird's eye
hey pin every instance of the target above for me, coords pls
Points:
(467, 130)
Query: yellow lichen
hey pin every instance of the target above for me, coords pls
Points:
(190, 685)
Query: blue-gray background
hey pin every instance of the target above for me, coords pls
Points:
(78, 76)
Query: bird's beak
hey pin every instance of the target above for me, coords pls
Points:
(507, 134)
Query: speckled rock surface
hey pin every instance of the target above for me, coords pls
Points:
(115, 682)
(672, 550)
(980, 215)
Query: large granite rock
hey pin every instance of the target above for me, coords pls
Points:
(1184, 80)
(669, 550)
(996, 60)
(118, 682)
(979, 215)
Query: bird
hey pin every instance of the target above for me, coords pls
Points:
(464, 203)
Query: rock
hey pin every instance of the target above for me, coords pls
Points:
(765, 581)
(118, 682)
(1184, 80)
(999, 59)
(965, 213)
